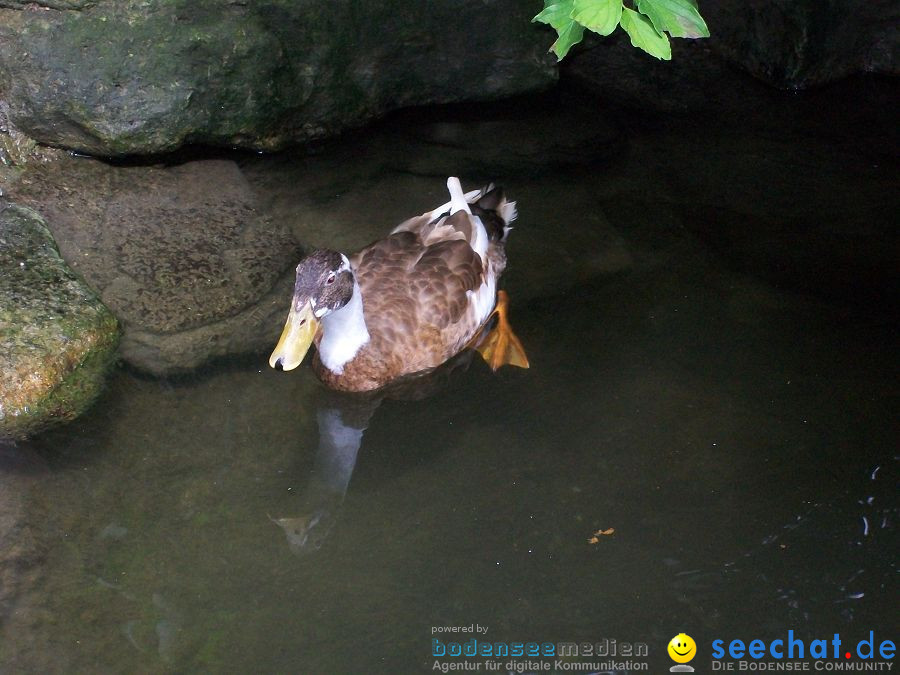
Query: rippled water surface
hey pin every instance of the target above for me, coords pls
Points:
(707, 311)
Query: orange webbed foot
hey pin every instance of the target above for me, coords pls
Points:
(500, 346)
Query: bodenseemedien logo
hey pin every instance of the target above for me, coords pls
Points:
(682, 649)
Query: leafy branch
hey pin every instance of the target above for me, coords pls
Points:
(649, 23)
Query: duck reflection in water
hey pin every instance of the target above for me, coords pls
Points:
(341, 427)
(342, 419)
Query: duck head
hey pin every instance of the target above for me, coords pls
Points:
(324, 284)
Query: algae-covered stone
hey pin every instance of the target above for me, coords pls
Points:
(57, 339)
(145, 76)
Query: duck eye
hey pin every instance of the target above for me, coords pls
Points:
(330, 279)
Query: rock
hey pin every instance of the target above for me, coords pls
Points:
(22, 561)
(696, 79)
(57, 340)
(805, 43)
(118, 77)
(47, 4)
(180, 254)
(22, 554)
(791, 44)
(16, 150)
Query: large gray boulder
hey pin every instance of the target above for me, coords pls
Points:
(57, 339)
(117, 77)
(180, 254)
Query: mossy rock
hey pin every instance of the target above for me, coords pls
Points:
(119, 77)
(57, 339)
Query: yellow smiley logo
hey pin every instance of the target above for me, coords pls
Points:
(682, 648)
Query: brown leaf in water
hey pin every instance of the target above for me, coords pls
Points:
(595, 538)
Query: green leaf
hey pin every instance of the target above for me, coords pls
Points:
(601, 16)
(568, 36)
(644, 36)
(679, 18)
(556, 13)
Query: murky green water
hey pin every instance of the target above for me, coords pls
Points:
(714, 377)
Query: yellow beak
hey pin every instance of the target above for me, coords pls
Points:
(297, 336)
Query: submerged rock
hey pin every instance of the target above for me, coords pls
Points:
(23, 556)
(496, 141)
(57, 339)
(117, 77)
(180, 254)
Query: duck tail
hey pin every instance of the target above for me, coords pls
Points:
(458, 200)
(495, 211)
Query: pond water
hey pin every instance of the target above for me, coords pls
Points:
(705, 441)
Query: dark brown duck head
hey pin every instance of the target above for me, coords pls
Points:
(324, 284)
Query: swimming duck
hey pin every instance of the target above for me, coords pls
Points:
(409, 302)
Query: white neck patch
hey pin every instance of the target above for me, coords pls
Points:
(343, 333)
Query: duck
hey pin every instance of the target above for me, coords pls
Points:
(407, 303)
